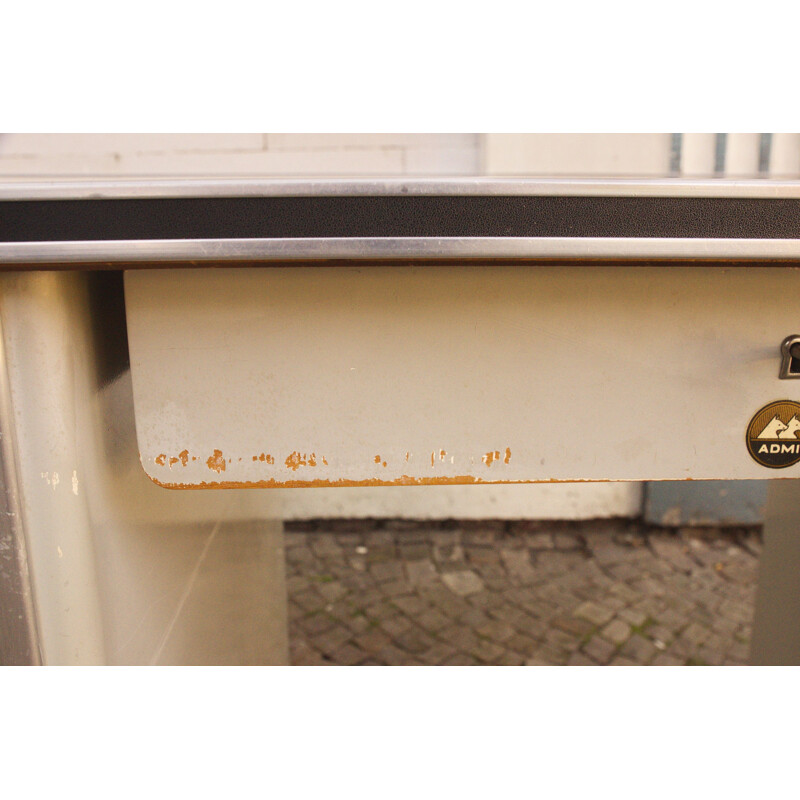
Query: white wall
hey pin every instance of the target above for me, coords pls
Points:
(578, 154)
(238, 155)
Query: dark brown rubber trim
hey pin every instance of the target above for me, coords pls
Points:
(397, 217)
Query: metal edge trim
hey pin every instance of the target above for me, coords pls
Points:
(159, 188)
(12, 521)
(366, 249)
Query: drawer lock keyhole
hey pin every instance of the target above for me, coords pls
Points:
(790, 357)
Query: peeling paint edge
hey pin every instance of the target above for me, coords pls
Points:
(405, 480)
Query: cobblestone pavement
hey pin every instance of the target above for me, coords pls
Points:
(616, 592)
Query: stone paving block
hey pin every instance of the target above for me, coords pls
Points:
(695, 634)
(594, 613)
(448, 553)
(373, 640)
(539, 541)
(369, 597)
(349, 655)
(567, 541)
(378, 539)
(507, 613)
(659, 634)
(432, 620)
(302, 654)
(380, 553)
(396, 625)
(296, 583)
(524, 645)
(633, 617)
(510, 659)
(309, 600)
(709, 656)
(599, 649)
(444, 538)
(672, 620)
(574, 625)
(299, 555)
(316, 623)
(293, 539)
(497, 630)
(482, 556)
(324, 545)
(674, 551)
(331, 590)
(440, 652)
(479, 536)
(735, 611)
(607, 553)
(460, 660)
(357, 623)
(391, 654)
(625, 592)
(564, 641)
(487, 651)
(448, 603)
(525, 600)
(421, 572)
(665, 660)
(638, 649)
(463, 639)
(414, 640)
(622, 661)
(394, 588)
(651, 606)
(463, 583)
(531, 626)
(648, 586)
(409, 604)
(386, 571)
(331, 640)
(414, 552)
(474, 618)
(578, 659)
(384, 609)
(517, 562)
(625, 572)
(616, 631)
(549, 654)
(739, 651)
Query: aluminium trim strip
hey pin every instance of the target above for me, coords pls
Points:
(152, 188)
(368, 249)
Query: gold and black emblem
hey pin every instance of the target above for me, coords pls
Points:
(773, 435)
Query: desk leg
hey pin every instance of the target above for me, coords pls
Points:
(121, 571)
(776, 625)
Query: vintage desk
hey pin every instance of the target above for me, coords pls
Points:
(341, 333)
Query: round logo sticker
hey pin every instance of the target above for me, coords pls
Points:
(772, 435)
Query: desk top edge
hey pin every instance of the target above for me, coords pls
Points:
(329, 187)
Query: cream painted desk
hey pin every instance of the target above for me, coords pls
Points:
(397, 333)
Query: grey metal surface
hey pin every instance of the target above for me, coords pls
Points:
(19, 640)
(699, 503)
(776, 623)
(285, 377)
(668, 187)
(122, 571)
(376, 249)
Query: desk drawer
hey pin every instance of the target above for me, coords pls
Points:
(399, 375)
